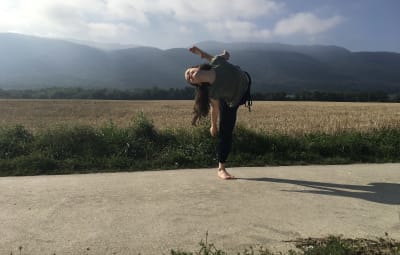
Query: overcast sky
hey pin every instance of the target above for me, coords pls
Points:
(358, 25)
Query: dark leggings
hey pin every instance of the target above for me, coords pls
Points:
(227, 120)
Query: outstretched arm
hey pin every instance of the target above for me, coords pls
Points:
(200, 53)
(203, 54)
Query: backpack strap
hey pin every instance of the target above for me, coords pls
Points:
(248, 99)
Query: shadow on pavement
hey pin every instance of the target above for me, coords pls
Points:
(379, 192)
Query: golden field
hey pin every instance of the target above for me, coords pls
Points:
(283, 117)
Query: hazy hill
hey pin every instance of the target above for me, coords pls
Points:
(31, 62)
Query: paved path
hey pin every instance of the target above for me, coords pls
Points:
(152, 212)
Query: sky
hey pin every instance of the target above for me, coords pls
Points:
(358, 25)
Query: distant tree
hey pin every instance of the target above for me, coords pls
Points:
(187, 93)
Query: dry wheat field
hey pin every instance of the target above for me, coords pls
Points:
(284, 117)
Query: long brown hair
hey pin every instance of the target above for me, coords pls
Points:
(201, 106)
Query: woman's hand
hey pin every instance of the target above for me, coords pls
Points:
(213, 130)
(225, 55)
(214, 113)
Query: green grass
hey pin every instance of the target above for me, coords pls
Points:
(83, 149)
(332, 245)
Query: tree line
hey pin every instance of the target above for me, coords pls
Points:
(187, 93)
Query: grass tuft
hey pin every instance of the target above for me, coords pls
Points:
(332, 245)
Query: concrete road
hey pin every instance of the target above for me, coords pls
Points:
(153, 212)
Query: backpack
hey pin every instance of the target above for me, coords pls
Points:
(247, 100)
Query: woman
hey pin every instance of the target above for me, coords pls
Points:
(220, 89)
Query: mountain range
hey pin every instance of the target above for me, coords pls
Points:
(28, 62)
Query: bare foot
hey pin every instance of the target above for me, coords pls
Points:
(223, 174)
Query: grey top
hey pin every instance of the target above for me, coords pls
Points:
(230, 82)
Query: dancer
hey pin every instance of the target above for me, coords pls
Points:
(220, 89)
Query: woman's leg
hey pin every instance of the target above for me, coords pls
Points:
(227, 120)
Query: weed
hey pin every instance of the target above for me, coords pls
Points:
(332, 245)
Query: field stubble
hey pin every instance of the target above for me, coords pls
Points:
(292, 118)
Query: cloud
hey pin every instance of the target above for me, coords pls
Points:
(128, 11)
(203, 11)
(305, 23)
(97, 19)
(238, 30)
(110, 32)
(158, 22)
